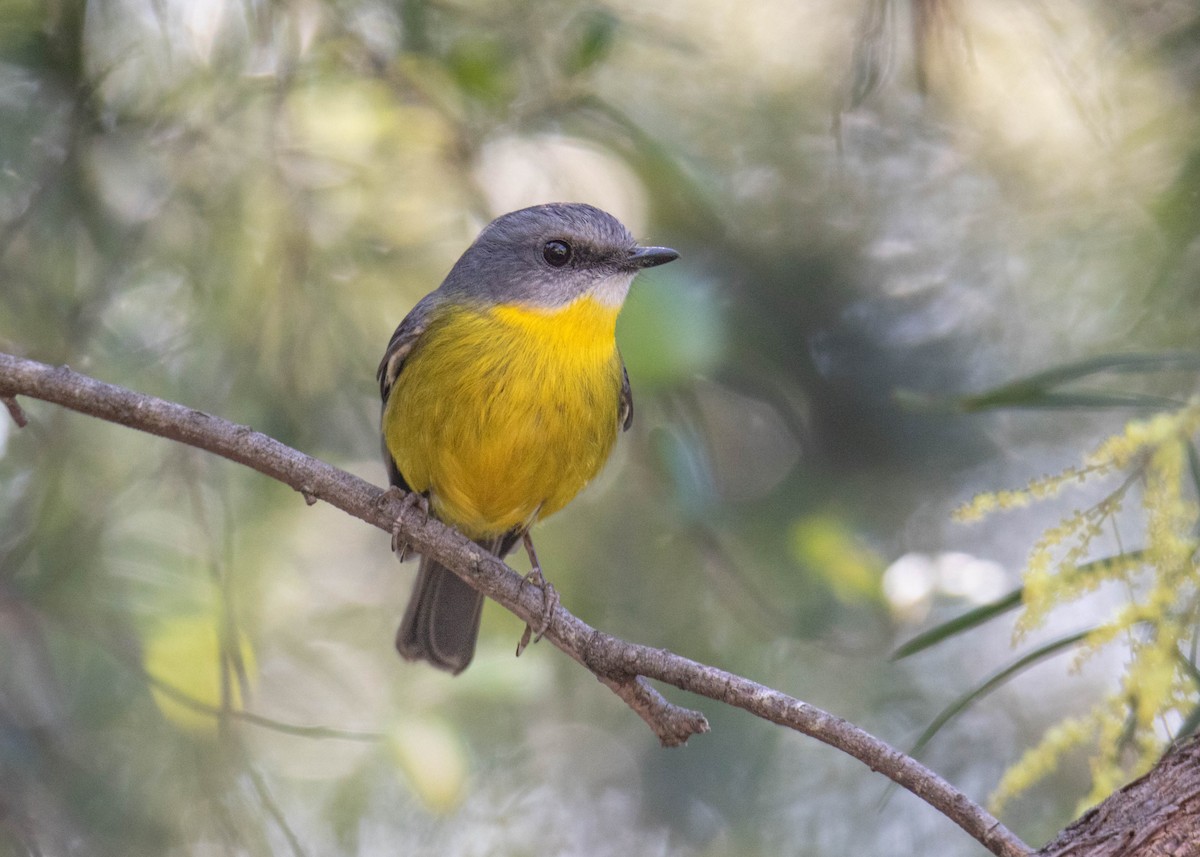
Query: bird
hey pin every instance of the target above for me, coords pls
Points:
(503, 394)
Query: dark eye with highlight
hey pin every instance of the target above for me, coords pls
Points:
(557, 253)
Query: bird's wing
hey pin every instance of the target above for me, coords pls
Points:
(399, 347)
(625, 409)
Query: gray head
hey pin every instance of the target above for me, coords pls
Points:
(549, 255)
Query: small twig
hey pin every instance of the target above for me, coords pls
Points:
(273, 809)
(671, 723)
(620, 665)
(15, 411)
(218, 711)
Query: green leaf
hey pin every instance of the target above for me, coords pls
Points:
(985, 612)
(683, 460)
(994, 681)
(1133, 362)
(482, 68)
(596, 36)
(1040, 390)
(964, 622)
(1192, 722)
(1194, 466)
(1005, 399)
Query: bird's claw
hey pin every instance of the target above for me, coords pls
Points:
(411, 500)
(550, 602)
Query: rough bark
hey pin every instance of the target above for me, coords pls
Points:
(1157, 815)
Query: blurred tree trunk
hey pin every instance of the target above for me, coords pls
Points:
(1157, 815)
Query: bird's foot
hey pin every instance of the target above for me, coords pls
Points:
(412, 500)
(550, 599)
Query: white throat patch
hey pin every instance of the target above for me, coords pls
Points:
(611, 291)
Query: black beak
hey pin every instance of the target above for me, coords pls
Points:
(649, 257)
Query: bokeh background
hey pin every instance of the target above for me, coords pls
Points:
(232, 203)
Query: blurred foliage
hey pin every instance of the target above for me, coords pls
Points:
(1157, 626)
(1158, 697)
(231, 205)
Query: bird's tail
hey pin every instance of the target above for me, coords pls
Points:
(441, 623)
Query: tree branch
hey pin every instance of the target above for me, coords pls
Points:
(1157, 815)
(624, 667)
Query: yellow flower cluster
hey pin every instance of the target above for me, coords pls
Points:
(1039, 489)
(1040, 761)
(1126, 731)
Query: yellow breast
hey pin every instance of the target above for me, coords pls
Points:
(505, 413)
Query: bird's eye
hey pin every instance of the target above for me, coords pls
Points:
(557, 253)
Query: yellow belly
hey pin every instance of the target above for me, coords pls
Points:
(503, 415)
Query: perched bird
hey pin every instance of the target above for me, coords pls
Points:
(503, 392)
